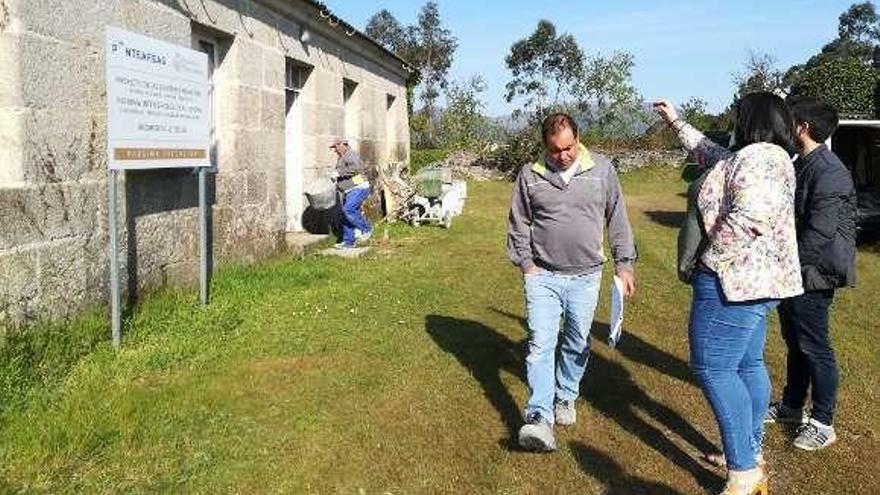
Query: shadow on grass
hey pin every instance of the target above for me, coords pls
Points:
(608, 386)
(634, 348)
(485, 353)
(672, 219)
(602, 467)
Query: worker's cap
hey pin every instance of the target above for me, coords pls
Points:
(338, 141)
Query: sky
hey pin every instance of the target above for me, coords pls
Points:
(682, 49)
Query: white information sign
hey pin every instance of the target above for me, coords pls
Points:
(158, 106)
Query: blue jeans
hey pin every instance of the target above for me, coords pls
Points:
(549, 298)
(812, 366)
(352, 218)
(727, 357)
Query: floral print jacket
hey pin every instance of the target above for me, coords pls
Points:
(747, 207)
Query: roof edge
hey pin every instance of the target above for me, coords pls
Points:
(325, 13)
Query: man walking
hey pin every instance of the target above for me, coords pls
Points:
(825, 211)
(355, 188)
(558, 213)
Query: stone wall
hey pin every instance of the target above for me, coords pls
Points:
(630, 160)
(53, 186)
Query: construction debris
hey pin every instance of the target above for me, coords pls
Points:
(468, 165)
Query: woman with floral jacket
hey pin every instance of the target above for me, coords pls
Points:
(748, 261)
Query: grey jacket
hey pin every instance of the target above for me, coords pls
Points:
(560, 227)
(351, 170)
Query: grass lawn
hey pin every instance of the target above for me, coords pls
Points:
(403, 373)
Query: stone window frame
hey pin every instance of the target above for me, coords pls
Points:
(200, 39)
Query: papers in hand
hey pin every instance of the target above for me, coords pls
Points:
(616, 323)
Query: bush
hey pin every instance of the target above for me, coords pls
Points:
(421, 157)
(520, 147)
(846, 83)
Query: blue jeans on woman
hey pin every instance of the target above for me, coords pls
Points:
(727, 357)
(352, 218)
(549, 298)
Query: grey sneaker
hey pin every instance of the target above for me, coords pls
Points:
(565, 413)
(537, 434)
(814, 436)
(362, 236)
(780, 413)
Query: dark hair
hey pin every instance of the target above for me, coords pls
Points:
(819, 114)
(763, 117)
(555, 123)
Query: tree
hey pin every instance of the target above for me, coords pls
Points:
(842, 72)
(859, 25)
(433, 54)
(693, 111)
(847, 84)
(427, 45)
(545, 67)
(761, 74)
(858, 32)
(388, 31)
(463, 124)
(610, 103)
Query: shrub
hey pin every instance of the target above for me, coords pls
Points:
(421, 157)
(846, 83)
(520, 147)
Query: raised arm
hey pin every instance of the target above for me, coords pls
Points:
(705, 151)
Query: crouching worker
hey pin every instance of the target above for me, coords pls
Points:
(355, 188)
(558, 214)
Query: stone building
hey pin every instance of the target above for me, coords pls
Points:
(288, 77)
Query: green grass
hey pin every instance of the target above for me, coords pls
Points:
(400, 373)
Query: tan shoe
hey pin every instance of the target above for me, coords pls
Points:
(751, 482)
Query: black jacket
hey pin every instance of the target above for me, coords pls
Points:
(825, 207)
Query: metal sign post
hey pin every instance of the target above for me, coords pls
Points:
(115, 309)
(204, 282)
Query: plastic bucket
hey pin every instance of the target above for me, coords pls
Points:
(322, 200)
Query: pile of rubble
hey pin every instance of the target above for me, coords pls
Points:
(468, 165)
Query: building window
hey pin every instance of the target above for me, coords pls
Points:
(391, 151)
(351, 109)
(215, 47)
(295, 75)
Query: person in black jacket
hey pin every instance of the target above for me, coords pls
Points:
(825, 210)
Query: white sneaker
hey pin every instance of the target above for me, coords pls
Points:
(565, 413)
(814, 436)
(537, 434)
